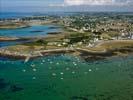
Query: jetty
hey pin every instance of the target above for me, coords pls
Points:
(35, 54)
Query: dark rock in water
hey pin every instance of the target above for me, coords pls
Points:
(53, 33)
(3, 84)
(92, 58)
(78, 98)
(35, 31)
(54, 27)
(13, 88)
(16, 88)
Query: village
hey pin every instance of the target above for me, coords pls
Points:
(80, 31)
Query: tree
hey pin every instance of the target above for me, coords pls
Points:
(42, 42)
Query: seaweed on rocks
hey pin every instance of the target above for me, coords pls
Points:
(78, 98)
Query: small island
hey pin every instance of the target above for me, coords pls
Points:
(13, 25)
(3, 38)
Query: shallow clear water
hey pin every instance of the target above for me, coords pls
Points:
(33, 31)
(65, 77)
(11, 43)
(5, 15)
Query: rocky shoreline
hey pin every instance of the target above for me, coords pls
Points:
(90, 56)
(7, 38)
(13, 25)
(100, 50)
(85, 54)
(35, 54)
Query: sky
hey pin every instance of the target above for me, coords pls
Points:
(65, 5)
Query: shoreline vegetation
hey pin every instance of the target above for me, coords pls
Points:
(13, 25)
(100, 51)
(93, 41)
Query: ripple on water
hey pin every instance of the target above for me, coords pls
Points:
(92, 77)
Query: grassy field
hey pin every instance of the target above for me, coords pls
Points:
(113, 44)
(116, 44)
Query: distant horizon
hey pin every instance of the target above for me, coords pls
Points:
(71, 12)
(28, 14)
(66, 6)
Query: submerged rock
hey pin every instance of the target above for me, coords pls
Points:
(78, 98)
(34, 31)
(9, 87)
(3, 84)
(53, 33)
(15, 88)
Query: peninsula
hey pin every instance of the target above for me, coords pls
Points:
(85, 36)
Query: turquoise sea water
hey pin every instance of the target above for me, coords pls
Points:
(6, 15)
(11, 43)
(33, 31)
(65, 77)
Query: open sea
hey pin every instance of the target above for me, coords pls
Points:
(65, 77)
(5, 15)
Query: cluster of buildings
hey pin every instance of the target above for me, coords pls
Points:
(116, 27)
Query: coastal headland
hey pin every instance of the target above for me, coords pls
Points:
(91, 43)
(100, 51)
(13, 25)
